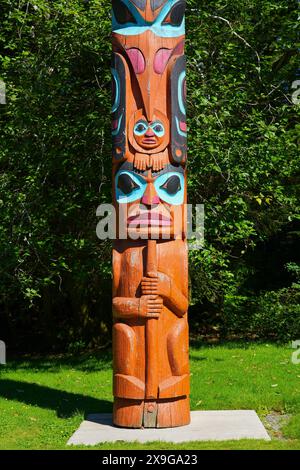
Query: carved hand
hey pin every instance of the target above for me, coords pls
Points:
(157, 285)
(159, 160)
(149, 285)
(141, 161)
(150, 306)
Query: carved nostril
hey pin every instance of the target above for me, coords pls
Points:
(149, 133)
(161, 59)
(137, 60)
(155, 200)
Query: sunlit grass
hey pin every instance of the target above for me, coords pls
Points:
(43, 401)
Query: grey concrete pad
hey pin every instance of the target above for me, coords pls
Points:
(204, 426)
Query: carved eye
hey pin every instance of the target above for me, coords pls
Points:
(175, 16)
(122, 13)
(126, 184)
(158, 128)
(140, 128)
(172, 185)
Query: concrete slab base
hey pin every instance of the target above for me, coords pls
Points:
(204, 426)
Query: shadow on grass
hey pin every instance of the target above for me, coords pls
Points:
(65, 404)
(197, 358)
(86, 362)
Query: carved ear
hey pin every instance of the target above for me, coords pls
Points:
(178, 111)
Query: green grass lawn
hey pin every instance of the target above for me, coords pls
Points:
(43, 401)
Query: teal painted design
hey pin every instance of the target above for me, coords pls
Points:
(180, 132)
(180, 88)
(138, 188)
(169, 187)
(142, 126)
(176, 197)
(117, 90)
(158, 128)
(159, 27)
(117, 130)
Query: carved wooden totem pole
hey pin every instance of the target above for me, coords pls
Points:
(150, 270)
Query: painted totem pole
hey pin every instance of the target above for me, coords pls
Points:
(150, 271)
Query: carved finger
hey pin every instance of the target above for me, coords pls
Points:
(149, 285)
(161, 162)
(156, 305)
(154, 310)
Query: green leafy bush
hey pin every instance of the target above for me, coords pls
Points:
(55, 154)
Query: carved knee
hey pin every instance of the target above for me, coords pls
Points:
(124, 349)
(177, 344)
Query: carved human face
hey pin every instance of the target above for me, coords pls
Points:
(153, 201)
(149, 135)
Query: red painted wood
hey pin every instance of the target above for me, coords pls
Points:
(150, 276)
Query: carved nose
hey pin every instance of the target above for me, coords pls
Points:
(150, 196)
(149, 133)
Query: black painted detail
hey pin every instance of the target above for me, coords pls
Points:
(155, 4)
(172, 185)
(122, 13)
(126, 184)
(141, 4)
(176, 14)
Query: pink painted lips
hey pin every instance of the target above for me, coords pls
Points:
(149, 140)
(149, 219)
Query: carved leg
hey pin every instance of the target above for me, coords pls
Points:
(174, 402)
(173, 412)
(127, 412)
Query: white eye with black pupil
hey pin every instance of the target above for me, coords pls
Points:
(140, 128)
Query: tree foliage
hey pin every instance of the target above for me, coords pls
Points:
(55, 154)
